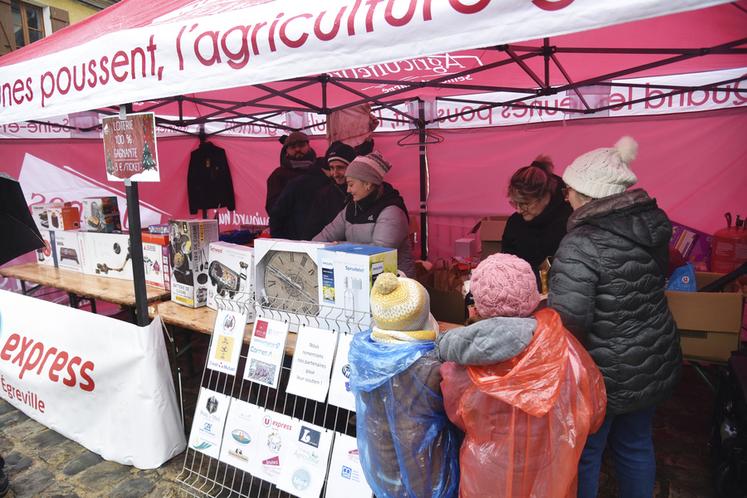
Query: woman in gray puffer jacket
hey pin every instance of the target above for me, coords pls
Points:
(376, 214)
(607, 283)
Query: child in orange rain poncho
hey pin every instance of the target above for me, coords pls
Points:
(525, 418)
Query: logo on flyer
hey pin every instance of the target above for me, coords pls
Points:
(309, 436)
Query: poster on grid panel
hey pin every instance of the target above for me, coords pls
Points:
(208, 422)
(266, 349)
(312, 363)
(339, 389)
(346, 477)
(305, 460)
(226, 341)
(101, 382)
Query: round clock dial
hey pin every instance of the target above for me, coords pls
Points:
(290, 282)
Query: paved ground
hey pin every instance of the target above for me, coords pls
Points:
(41, 463)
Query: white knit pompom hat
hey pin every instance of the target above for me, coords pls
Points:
(603, 172)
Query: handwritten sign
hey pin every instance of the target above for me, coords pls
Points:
(312, 363)
(130, 147)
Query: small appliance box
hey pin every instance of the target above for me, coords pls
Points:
(156, 260)
(67, 248)
(47, 256)
(189, 241)
(490, 230)
(106, 254)
(56, 216)
(100, 214)
(231, 276)
(347, 274)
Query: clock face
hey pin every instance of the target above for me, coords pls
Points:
(290, 282)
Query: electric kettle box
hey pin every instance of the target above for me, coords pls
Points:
(156, 261)
(231, 277)
(47, 255)
(106, 254)
(67, 248)
(189, 242)
(100, 214)
(347, 274)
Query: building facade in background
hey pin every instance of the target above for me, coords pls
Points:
(24, 22)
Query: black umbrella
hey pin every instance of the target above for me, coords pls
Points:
(19, 232)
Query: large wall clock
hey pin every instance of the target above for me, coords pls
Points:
(287, 276)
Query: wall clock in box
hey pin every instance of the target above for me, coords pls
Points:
(286, 275)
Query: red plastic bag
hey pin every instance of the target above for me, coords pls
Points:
(526, 420)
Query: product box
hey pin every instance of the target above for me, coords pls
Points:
(100, 214)
(490, 230)
(67, 249)
(231, 276)
(47, 256)
(709, 322)
(348, 272)
(286, 282)
(189, 241)
(56, 216)
(106, 254)
(694, 245)
(465, 248)
(156, 261)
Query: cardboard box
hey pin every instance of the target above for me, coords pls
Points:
(347, 274)
(231, 276)
(106, 254)
(189, 241)
(465, 248)
(490, 230)
(447, 306)
(67, 248)
(101, 214)
(156, 261)
(709, 322)
(66, 217)
(47, 256)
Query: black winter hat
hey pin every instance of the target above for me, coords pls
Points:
(339, 151)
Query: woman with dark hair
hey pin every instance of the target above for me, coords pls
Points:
(535, 230)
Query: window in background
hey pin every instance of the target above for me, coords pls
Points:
(28, 22)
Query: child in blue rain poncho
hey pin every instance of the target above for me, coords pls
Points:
(408, 448)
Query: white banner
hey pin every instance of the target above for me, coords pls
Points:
(187, 51)
(101, 382)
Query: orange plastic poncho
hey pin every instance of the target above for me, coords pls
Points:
(526, 420)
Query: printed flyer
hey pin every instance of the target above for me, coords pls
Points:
(207, 426)
(346, 477)
(243, 427)
(305, 460)
(339, 388)
(312, 363)
(274, 431)
(225, 344)
(266, 350)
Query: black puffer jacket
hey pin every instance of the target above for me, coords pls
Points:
(607, 283)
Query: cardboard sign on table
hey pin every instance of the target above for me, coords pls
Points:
(266, 350)
(226, 341)
(312, 363)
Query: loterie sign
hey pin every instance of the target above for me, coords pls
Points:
(130, 147)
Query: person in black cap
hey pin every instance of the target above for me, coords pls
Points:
(296, 159)
(291, 213)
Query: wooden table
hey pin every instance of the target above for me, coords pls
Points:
(80, 285)
(202, 320)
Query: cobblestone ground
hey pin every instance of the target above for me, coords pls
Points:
(41, 463)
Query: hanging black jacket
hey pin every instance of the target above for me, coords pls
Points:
(536, 239)
(209, 183)
(607, 283)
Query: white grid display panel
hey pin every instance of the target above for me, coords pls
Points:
(202, 475)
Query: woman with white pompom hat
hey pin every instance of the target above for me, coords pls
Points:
(607, 283)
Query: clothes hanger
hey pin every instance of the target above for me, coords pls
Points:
(430, 138)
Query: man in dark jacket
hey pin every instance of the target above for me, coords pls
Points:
(296, 159)
(607, 283)
(332, 197)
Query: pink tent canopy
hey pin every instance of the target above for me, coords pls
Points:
(542, 63)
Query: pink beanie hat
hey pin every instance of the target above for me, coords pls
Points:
(504, 285)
